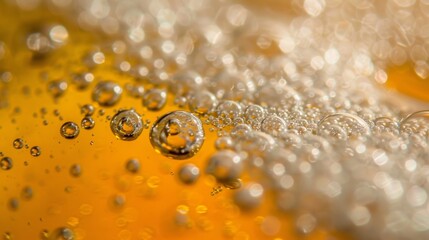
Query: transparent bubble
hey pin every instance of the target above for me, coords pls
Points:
(27, 193)
(135, 90)
(133, 165)
(415, 123)
(250, 196)
(39, 43)
(57, 88)
(87, 109)
(189, 173)
(18, 143)
(177, 135)
(155, 99)
(385, 125)
(87, 123)
(186, 81)
(202, 102)
(306, 223)
(273, 125)
(75, 170)
(62, 233)
(229, 109)
(343, 126)
(277, 95)
(69, 130)
(58, 34)
(224, 143)
(6, 163)
(126, 125)
(107, 93)
(314, 7)
(225, 165)
(82, 81)
(35, 151)
(233, 184)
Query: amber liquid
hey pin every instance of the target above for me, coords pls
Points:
(149, 201)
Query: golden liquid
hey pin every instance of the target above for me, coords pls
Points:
(154, 197)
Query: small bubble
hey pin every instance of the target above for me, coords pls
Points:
(225, 165)
(87, 109)
(202, 102)
(62, 233)
(155, 99)
(14, 204)
(189, 173)
(106, 93)
(87, 123)
(233, 184)
(6, 163)
(27, 193)
(250, 196)
(83, 80)
(135, 90)
(18, 143)
(35, 151)
(126, 125)
(57, 88)
(133, 165)
(58, 34)
(224, 143)
(75, 170)
(69, 130)
(38, 43)
(178, 135)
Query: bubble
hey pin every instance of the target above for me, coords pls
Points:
(133, 165)
(225, 165)
(75, 170)
(314, 7)
(35, 151)
(416, 123)
(38, 43)
(87, 109)
(87, 123)
(62, 233)
(229, 109)
(189, 173)
(202, 102)
(27, 193)
(277, 95)
(135, 90)
(343, 126)
(250, 196)
(177, 135)
(82, 81)
(6, 163)
(126, 125)
(273, 125)
(69, 130)
(106, 93)
(58, 34)
(306, 223)
(18, 143)
(224, 143)
(155, 99)
(57, 88)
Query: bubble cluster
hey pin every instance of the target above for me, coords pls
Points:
(177, 135)
(126, 125)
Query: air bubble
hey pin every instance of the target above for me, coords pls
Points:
(75, 170)
(6, 163)
(229, 109)
(87, 109)
(177, 135)
(35, 151)
(416, 123)
(62, 233)
(18, 143)
(87, 123)
(107, 93)
(126, 125)
(343, 126)
(202, 102)
(155, 99)
(189, 173)
(133, 165)
(225, 165)
(273, 125)
(69, 130)
(82, 81)
(250, 196)
(57, 88)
